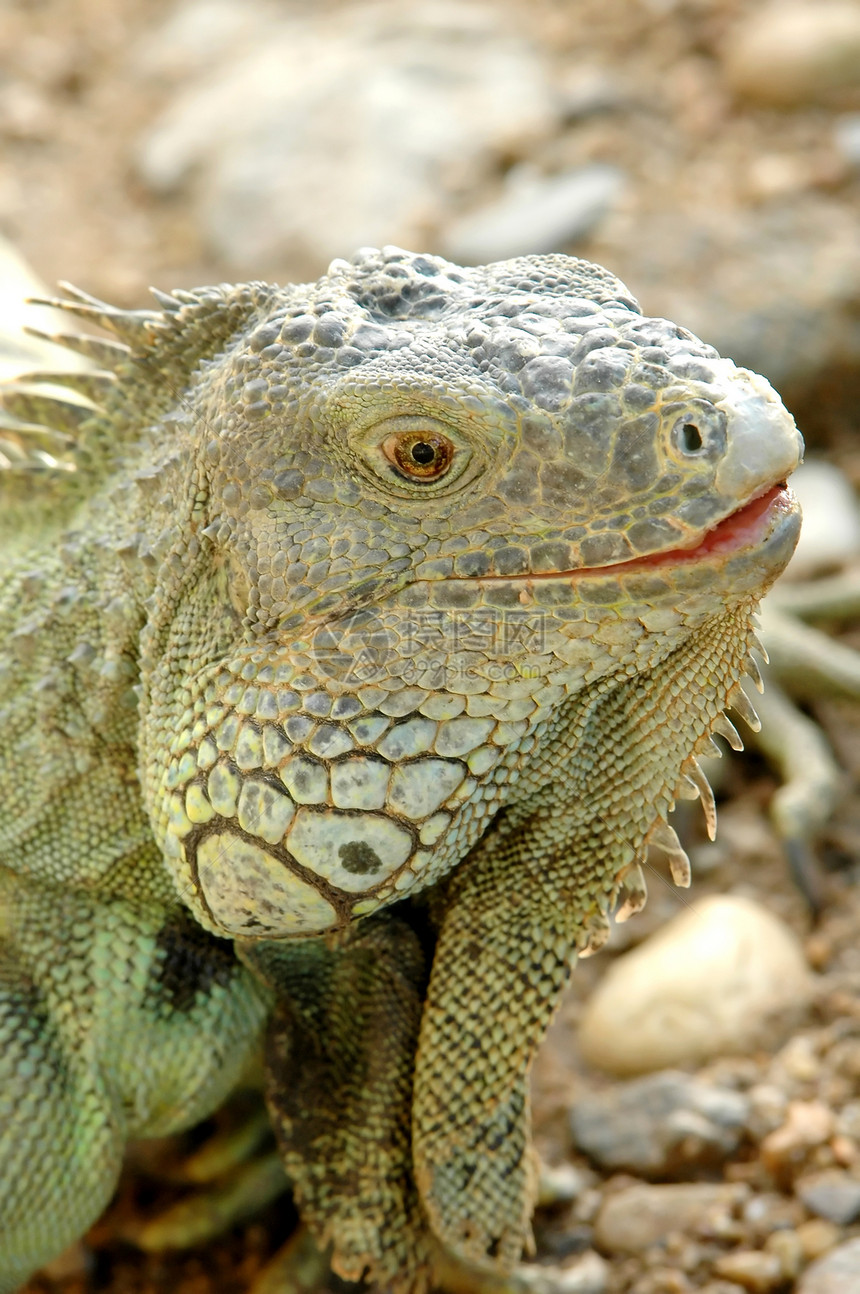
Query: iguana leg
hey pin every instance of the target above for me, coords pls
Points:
(504, 953)
(116, 1020)
(535, 890)
(339, 1064)
(61, 1138)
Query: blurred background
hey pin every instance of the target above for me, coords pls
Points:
(708, 152)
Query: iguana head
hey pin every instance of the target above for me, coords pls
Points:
(408, 511)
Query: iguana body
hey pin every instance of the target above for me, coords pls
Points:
(418, 583)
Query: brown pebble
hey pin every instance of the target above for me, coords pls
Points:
(817, 1237)
(819, 949)
(794, 54)
(845, 1150)
(784, 1152)
(637, 1217)
(767, 1213)
(788, 1250)
(752, 1268)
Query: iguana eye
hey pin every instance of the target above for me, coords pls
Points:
(420, 455)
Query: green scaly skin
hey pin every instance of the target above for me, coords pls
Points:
(352, 650)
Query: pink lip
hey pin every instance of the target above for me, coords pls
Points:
(739, 530)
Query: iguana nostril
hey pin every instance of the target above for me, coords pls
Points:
(691, 438)
(698, 429)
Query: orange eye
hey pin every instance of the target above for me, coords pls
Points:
(420, 455)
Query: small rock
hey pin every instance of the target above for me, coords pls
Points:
(837, 1273)
(660, 1124)
(562, 1183)
(197, 33)
(76, 1263)
(636, 1217)
(832, 1195)
(768, 1106)
(793, 54)
(785, 1152)
(322, 135)
(724, 976)
(537, 214)
(818, 1237)
(587, 1273)
(846, 137)
(798, 1061)
(768, 1213)
(787, 1248)
(848, 1121)
(587, 90)
(751, 1268)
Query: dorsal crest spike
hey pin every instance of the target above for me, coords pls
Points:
(167, 300)
(595, 934)
(137, 328)
(693, 770)
(740, 702)
(78, 294)
(101, 350)
(725, 728)
(752, 671)
(666, 838)
(632, 893)
(93, 385)
(44, 410)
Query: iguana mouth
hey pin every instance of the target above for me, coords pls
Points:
(745, 527)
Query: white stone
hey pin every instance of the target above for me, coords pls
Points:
(846, 137)
(634, 1218)
(838, 1272)
(536, 213)
(724, 976)
(325, 135)
(792, 54)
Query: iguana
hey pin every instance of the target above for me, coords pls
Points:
(356, 638)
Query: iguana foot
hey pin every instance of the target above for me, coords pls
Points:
(235, 1173)
(805, 664)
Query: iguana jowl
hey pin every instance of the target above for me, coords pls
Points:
(415, 581)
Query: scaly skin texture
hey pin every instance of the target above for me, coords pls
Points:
(349, 673)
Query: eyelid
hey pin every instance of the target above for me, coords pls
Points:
(367, 439)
